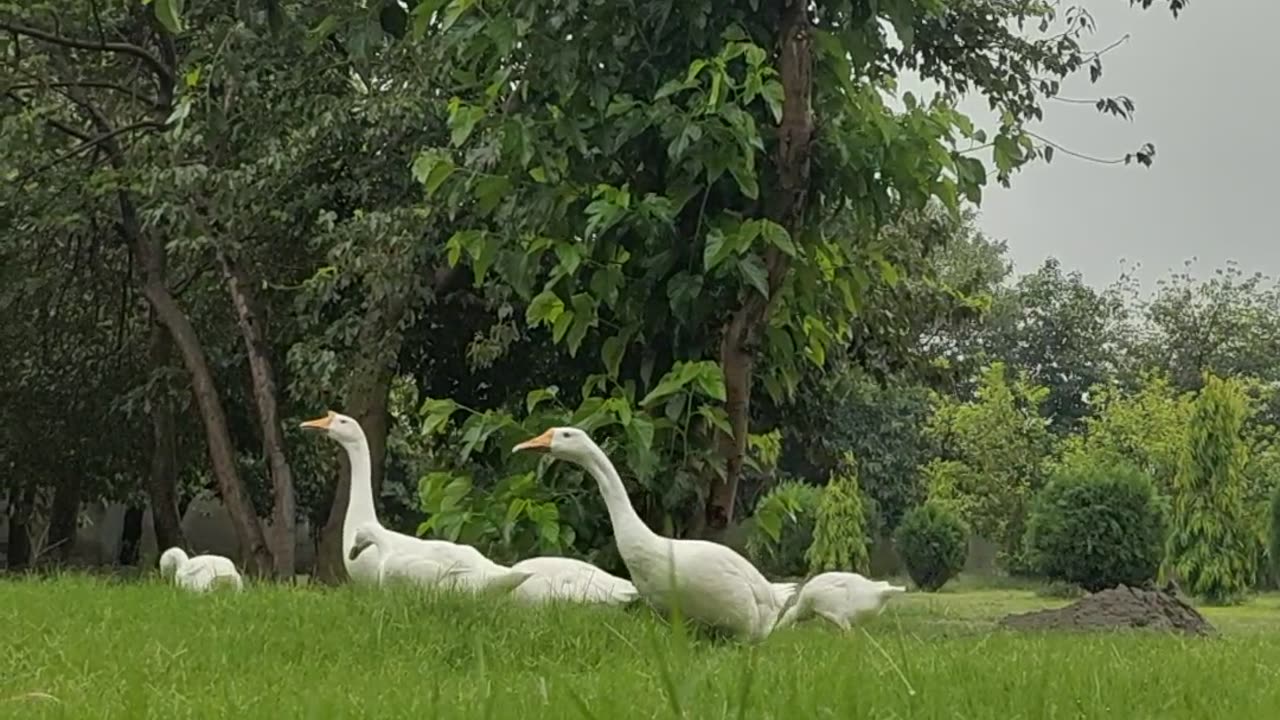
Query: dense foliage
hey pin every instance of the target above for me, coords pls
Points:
(1097, 526)
(780, 530)
(933, 542)
(839, 531)
(717, 235)
(1210, 547)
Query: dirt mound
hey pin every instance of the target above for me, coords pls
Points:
(1117, 608)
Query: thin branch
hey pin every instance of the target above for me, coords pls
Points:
(92, 143)
(134, 94)
(121, 48)
(56, 123)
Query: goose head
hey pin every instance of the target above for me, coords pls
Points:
(345, 430)
(564, 443)
(363, 539)
(171, 560)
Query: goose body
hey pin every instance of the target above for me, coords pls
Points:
(840, 597)
(709, 582)
(429, 565)
(364, 564)
(570, 580)
(200, 573)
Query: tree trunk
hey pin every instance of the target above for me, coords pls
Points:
(21, 505)
(64, 515)
(284, 525)
(786, 206)
(131, 536)
(253, 544)
(162, 476)
(367, 403)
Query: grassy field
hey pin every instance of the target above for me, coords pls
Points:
(78, 647)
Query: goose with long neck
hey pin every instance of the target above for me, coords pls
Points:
(708, 582)
(364, 564)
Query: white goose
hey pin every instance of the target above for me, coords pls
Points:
(200, 573)
(570, 580)
(364, 565)
(712, 583)
(418, 568)
(842, 598)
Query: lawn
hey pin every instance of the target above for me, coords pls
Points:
(79, 647)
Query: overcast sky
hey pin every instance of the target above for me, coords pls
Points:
(1207, 87)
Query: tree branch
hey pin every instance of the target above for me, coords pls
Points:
(135, 95)
(91, 143)
(121, 48)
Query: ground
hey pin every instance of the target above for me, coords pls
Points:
(78, 647)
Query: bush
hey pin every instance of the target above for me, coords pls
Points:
(1275, 535)
(839, 531)
(933, 542)
(1097, 527)
(781, 529)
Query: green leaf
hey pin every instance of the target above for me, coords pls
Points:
(490, 191)
(422, 18)
(320, 33)
(667, 386)
(746, 179)
(640, 430)
(669, 88)
(717, 248)
(169, 13)
(718, 418)
(710, 380)
(753, 272)
(453, 12)
(888, 272)
(462, 121)
(538, 396)
(436, 414)
(584, 318)
(611, 352)
(561, 326)
(776, 235)
(546, 307)
(570, 257)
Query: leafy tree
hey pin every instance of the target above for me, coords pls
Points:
(1210, 547)
(993, 451)
(1275, 532)
(1064, 334)
(839, 530)
(1145, 427)
(1097, 526)
(933, 542)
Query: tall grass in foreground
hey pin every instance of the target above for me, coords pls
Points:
(76, 647)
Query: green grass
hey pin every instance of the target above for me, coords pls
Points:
(78, 647)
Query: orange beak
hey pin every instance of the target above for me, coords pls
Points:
(542, 442)
(321, 423)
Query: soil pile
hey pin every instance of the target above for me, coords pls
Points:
(1117, 608)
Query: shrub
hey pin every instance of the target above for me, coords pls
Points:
(781, 529)
(1212, 547)
(933, 542)
(839, 530)
(1097, 527)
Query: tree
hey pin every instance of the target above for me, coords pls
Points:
(1064, 334)
(1211, 547)
(700, 180)
(1145, 427)
(992, 456)
(839, 530)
